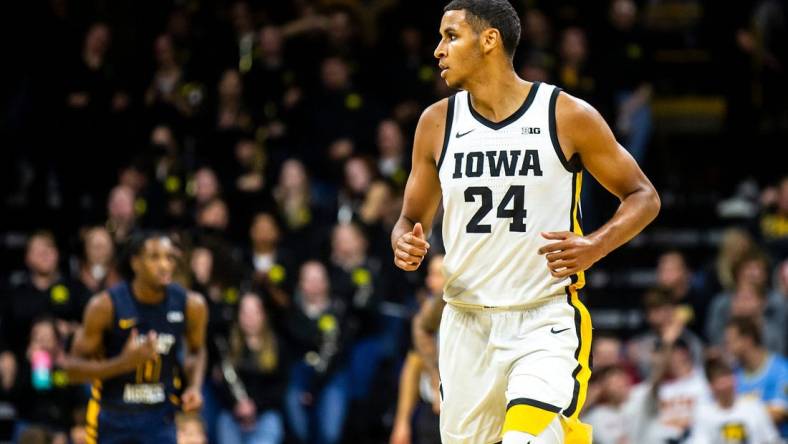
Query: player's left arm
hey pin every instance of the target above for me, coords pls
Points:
(196, 323)
(582, 130)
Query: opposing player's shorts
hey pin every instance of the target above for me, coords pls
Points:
(517, 370)
(149, 426)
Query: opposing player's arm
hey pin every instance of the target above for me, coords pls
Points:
(422, 191)
(85, 361)
(196, 324)
(582, 130)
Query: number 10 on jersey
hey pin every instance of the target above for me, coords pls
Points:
(515, 196)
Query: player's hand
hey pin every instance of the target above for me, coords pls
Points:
(191, 400)
(136, 352)
(401, 434)
(571, 254)
(411, 249)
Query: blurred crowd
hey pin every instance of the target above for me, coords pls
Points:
(271, 140)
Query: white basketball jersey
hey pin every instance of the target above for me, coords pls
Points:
(503, 184)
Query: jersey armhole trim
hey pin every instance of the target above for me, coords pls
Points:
(447, 130)
(572, 165)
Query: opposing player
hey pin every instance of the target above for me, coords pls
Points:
(131, 346)
(506, 156)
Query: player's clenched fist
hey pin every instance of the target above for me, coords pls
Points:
(411, 249)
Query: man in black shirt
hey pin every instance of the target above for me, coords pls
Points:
(42, 291)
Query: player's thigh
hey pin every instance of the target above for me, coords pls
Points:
(472, 383)
(543, 382)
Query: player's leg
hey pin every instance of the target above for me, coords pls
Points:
(473, 384)
(549, 372)
(552, 434)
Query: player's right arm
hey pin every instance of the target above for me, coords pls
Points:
(85, 361)
(422, 191)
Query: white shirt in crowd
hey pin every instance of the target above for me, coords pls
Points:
(746, 422)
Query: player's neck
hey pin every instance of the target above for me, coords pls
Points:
(497, 93)
(147, 294)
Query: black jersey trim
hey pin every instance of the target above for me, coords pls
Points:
(570, 410)
(529, 99)
(447, 130)
(533, 403)
(572, 165)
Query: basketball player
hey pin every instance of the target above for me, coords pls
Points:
(506, 156)
(131, 346)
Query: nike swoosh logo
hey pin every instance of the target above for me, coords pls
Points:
(458, 135)
(555, 332)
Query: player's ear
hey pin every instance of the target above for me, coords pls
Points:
(490, 39)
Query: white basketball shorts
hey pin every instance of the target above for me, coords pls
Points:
(516, 370)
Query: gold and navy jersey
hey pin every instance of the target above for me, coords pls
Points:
(503, 184)
(158, 380)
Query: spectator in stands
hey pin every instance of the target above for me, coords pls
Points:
(720, 276)
(214, 216)
(231, 113)
(661, 314)
(393, 162)
(355, 280)
(97, 270)
(253, 402)
(760, 372)
(674, 275)
(574, 68)
(169, 173)
(319, 390)
(359, 175)
(774, 220)
(537, 44)
(630, 85)
(121, 214)
(418, 403)
(750, 300)
(731, 418)
(206, 186)
(607, 416)
(273, 268)
(304, 220)
(44, 397)
(164, 95)
(662, 409)
(247, 187)
(43, 290)
(94, 94)
(608, 350)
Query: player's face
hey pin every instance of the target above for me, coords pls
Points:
(458, 52)
(155, 264)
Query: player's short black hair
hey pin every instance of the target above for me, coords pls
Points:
(134, 247)
(498, 14)
(747, 327)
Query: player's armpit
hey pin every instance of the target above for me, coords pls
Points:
(97, 318)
